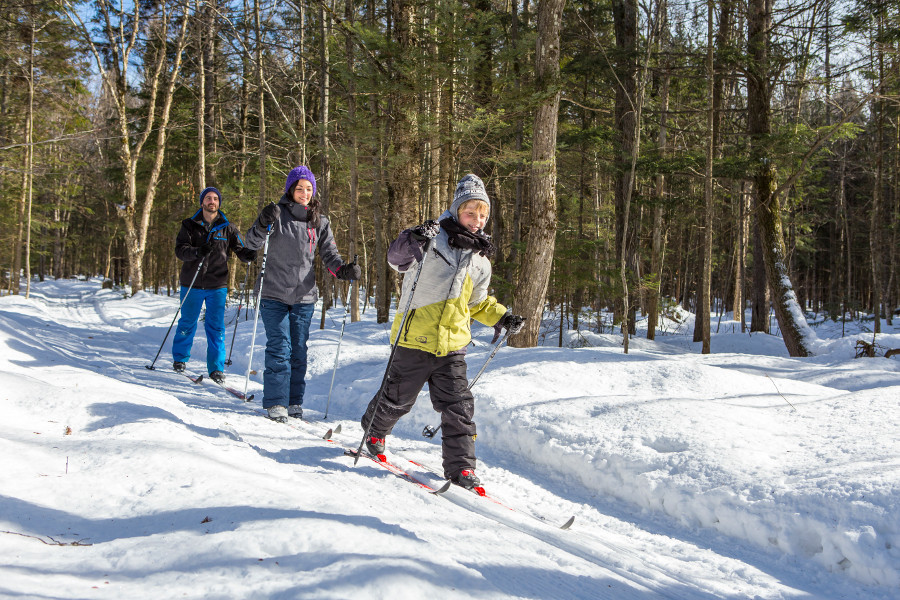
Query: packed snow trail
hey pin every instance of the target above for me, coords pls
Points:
(184, 491)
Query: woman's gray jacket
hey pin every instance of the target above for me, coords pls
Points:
(290, 275)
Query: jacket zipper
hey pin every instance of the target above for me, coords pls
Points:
(436, 251)
(408, 324)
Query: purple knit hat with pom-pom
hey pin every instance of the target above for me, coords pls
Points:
(298, 173)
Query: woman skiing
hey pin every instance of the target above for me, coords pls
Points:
(289, 294)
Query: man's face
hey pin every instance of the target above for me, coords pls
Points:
(210, 202)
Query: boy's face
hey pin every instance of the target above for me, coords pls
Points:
(303, 192)
(473, 215)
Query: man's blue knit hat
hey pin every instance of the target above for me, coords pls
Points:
(208, 190)
(298, 173)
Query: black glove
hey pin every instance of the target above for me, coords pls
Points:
(269, 215)
(248, 256)
(349, 272)
(513, 323)
(426, 231)
(205, 249)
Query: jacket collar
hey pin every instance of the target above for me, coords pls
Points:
(298, 211)
(220, 222)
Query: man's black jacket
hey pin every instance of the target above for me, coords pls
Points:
(223, 236)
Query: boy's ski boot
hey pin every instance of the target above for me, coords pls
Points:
(466, 478)
(375, 446)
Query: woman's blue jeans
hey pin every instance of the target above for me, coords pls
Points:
(287, 330)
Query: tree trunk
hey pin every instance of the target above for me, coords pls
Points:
(626, 125)
(795, 331)
(875, 247)
(702, 320)
(759, 314)
(436, 188)
(201, 101)
(119, 44)
(261, 90)
(657, 236)
(482, 82)
(514, 229)
(382, 272)
(29, 158)
(404, 174)
(740, 249)
(325, 175)
(209, 91)
(538, 260)
(243, 116)
(354, 164)
(446, 128)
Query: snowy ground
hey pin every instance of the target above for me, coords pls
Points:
(740, 474)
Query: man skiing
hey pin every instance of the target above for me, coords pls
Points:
(203, 243)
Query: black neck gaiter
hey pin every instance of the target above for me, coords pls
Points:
(460, 237)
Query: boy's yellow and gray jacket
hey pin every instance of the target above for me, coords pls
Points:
(451, 291)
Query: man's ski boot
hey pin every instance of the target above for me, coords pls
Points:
(218, 377)
(178, 366)
(295, 411)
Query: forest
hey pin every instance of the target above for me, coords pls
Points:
(722, 156)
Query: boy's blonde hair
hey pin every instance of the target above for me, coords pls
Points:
(483, 206)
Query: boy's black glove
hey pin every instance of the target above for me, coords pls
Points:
(205, 249)
(512, 323)
(269, 215)
(349, 272)
(426, 231)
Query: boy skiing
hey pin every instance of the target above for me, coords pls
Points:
(451, 291)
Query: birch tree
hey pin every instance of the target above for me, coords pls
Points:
(115, 54)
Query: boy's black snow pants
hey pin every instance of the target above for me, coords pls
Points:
(447, 383)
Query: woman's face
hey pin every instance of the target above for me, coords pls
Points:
(473, 215)
(303, 192)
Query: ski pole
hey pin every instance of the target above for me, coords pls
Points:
(412, 292)
(430, 431)
(262, 276)
(338, 354)
(237, 317)
(199, 266)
